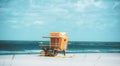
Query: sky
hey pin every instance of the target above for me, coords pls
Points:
(82, 20)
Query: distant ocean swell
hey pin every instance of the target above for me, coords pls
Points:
(31, 47)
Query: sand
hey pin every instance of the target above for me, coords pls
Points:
(81, 59)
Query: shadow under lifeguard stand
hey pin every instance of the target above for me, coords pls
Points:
(58, 42)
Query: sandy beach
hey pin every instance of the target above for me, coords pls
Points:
(81, 59)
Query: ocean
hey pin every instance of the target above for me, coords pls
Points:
(33, 47)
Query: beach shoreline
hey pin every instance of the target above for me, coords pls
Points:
(73, 59)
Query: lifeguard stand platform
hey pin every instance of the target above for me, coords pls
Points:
(58, 42)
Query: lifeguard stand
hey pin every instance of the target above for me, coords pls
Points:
(58, 42)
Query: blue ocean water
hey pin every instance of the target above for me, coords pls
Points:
(31, 47)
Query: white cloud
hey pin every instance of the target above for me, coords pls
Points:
(98, 4)
(60, 1)
(30, 14)
(34, 23)
(28, 24)
(12, 21)
(64, 6)
(15, 13)
(58, 11)
(100, 26)
(48, 8)
(38, 22)
(80, 23)
(32, 4)
(94, 25)
(81, 5)
(15, 26)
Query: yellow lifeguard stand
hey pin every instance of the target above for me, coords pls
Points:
(58, 42)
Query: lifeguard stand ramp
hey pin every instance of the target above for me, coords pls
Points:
(58, 42)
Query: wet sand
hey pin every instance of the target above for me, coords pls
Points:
(81, 59)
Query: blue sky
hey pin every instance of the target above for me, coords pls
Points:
(82, 20)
